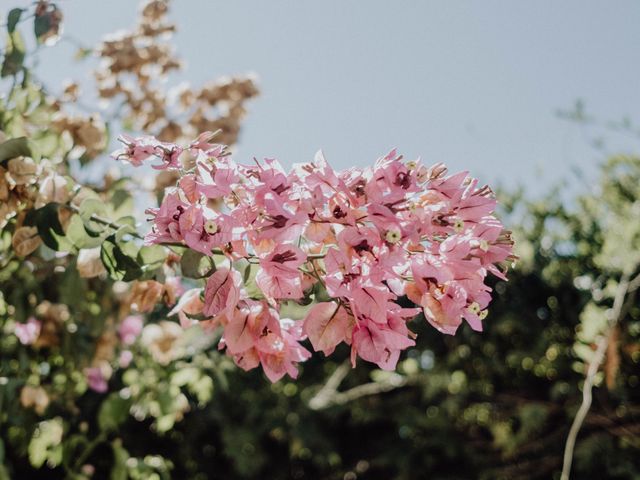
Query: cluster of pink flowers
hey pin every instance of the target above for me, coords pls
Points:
(368, 236)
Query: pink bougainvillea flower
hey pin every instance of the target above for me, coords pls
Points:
(244, 327)
(96, 379)
(202, 144)
(215, 180)
(342, 273)
(166, 220)
(190, 303)
(222, 293)
(359, 241)
(327, 324)
(475, 203)
(130, 328)
(197, 230)
(320, 174)
(279, 275)
(392, 181)
(218, 230)
(279, 349)
(125, 358)
(137, 150)
(273, 180)
(28, 332)
(277, 222)
(371, 302)
(256, 335)
(362, 237)
(379, 344)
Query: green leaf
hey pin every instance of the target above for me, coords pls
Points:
(113, 412)
(49, 228)
(152, 257)
(77, 234)
(195, 264)
(119, 265)
(202, 389)
(13, 19)
(16, 147)
(41, 26)
(120, 457)
(120, 234)
(251, 286)
(185, 376)
(88, 208)
(46, 443)
(127, 220)
(14, 55)
(122, 203)
(72, 447)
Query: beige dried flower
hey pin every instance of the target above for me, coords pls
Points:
(35, 397)
(21, 171)
(53, 316)
(52, 189)
(105, 348)
(25, 240)
(145, 295)
(161, 340)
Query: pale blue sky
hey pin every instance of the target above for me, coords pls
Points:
(472, 83)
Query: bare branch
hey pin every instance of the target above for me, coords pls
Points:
(615, 314)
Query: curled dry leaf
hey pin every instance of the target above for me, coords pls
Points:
(25, 241)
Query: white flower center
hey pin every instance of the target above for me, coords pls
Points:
(474, 308)
(393, 236)
(211, 227)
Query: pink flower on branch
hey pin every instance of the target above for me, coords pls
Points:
(137, 150)
(279, 275)
(365, 237)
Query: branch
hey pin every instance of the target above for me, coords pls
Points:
(329, 394)
(617, 312)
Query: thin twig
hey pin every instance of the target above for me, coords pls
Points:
(616, 313)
